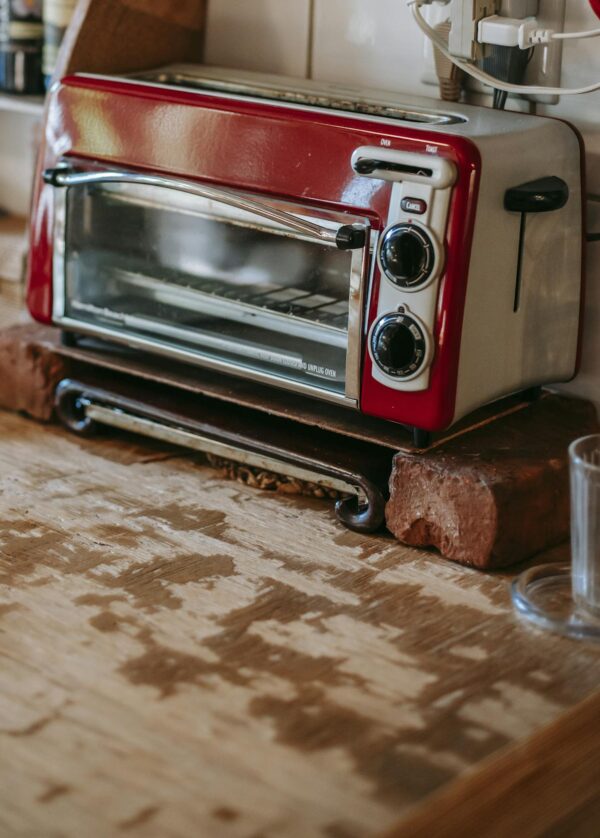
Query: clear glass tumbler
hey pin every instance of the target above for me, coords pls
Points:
(585, 523)
(566, 598)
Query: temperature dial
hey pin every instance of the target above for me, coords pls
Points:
(407, 256)
(399, 345)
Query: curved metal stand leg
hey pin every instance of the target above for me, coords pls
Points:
(84, 410)
(363, 517)
(70, 404)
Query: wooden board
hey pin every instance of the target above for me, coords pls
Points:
(120, 36)
(548, 785)
(274, 401)
(181, 655)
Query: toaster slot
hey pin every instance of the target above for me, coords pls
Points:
(295, 91)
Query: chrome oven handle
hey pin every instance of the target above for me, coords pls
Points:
(346, 237)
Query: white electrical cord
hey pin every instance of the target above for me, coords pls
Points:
(564, 36)
(533, 35)
(481, 75)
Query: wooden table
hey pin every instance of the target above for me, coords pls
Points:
(184, 656)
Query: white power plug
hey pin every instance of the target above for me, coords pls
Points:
(523, 33)
(509, 32)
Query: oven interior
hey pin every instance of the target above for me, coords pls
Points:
(187, 274)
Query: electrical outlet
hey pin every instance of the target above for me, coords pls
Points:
(546, 65)
(465, 16)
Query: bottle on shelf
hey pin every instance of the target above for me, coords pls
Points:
(21, 42)
(57, 16)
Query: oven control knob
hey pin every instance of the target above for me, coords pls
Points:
(399, 345)
(407, 256)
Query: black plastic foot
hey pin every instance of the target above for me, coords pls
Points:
(421, 438)
(532, 394)
(68, 339)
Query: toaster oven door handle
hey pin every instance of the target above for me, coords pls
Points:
(346, 237)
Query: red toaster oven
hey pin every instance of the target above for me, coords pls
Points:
(399, 256)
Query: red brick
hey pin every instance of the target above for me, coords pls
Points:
(497, 495)
(30, 369)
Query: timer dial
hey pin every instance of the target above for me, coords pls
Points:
(399, 345)
(407, 256)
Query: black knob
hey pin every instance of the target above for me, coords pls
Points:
(399, 345)
(407, 255)
(351, 237)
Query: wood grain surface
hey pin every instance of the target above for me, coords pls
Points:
(119, 36)
(547, 786)
(181, 655)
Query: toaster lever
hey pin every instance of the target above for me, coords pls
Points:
(543, 195)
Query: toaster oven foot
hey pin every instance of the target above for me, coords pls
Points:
(84, 409)
(421, 438)
(533, 394)
(68, 339)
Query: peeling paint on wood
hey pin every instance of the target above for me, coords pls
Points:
(183, 655)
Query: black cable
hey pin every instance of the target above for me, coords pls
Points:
(500, 97)
(507, 64)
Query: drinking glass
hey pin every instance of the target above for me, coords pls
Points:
(566, 598)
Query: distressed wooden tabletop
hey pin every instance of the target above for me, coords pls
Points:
(181, 655)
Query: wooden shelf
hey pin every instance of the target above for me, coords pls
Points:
(29, 105)
(13, 245)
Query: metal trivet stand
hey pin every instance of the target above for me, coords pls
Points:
(356, 470)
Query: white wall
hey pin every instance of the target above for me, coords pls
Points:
(19, 135)
(375, 42)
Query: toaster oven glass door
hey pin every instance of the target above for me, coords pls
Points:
(171, 272)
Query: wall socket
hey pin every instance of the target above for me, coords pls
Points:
(465, 16)
(543, 69)
(546, 65)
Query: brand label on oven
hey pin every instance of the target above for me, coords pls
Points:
(276, 358)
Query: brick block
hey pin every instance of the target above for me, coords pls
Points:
(30, 369)
(496, 495)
